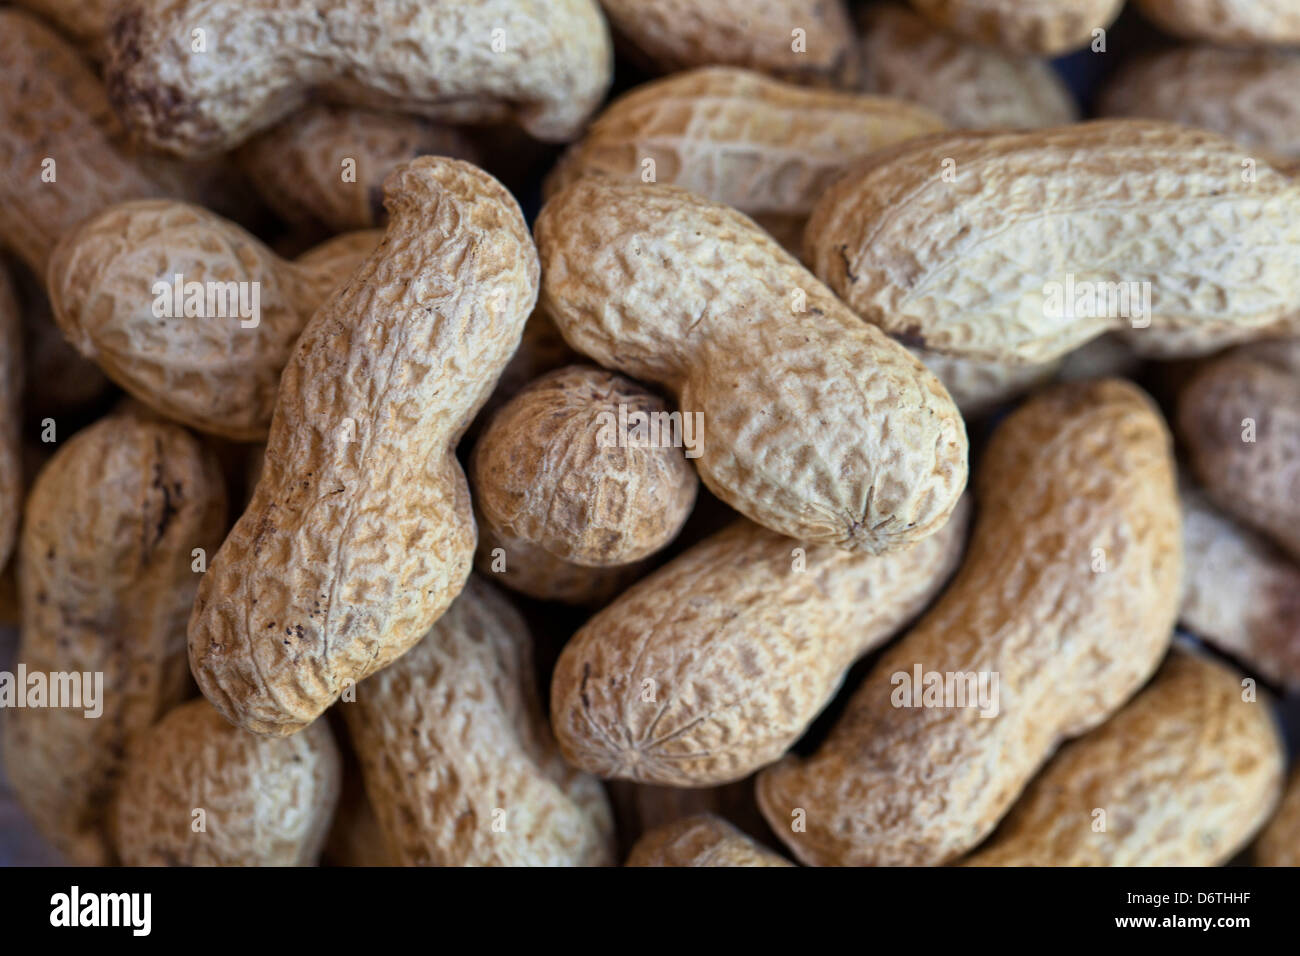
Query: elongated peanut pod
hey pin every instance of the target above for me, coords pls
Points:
(715, 664)
(118, 527)
(703, 840)
(1279, 844)
(188, 312)
(1063, 607)
(1238, 22)
(359, 532)
(815, 424)
(1024, 26)
(199, 792)
(459, 763)
(1019, 247)
(1183, 775)
(543, 63)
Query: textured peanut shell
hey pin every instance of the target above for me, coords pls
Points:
(703, 840)
(267, 802)
(1075, 469)
(969, 85)
(298, 166)
(961, 267)
(1023, 26)
(978, 386)
(1239, 592)
(675, 35)
(360, 533)
(542, 471)
(459, 764)
(1186, 773)
(545, 64)
(11, 415)
(768, 148)
(106, 581)
(1249, 96)
(1237, 22)
(1279, 843)
(817, 425)
(713, 666)
(1256, 481)
(209, 372)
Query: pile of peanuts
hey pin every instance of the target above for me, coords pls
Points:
(376, 510)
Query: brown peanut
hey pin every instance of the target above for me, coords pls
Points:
(459, 764)
(713, 666)
(1023, 26)
(703, 840)
(198, 792)
(950, 243)
(204, 360)
(542, 63)
(816, 425)
(1183, 775)
(561, 470)
(107, 575)
(1066, 597)
(360, 533)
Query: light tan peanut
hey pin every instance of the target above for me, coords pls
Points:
(107, 574)
(11, 416)
(1240, 420)
(85, 21)
(1066, 598)
(324, 167)
(1239, 592)
(1183, 775)
(804, 41)
(1246, 22)
(987, 245)
(703, 840)
(458, 761)
(968, 84)
(1024, 26)
(768, 148)
(977, 386)
(188, 312)
(1279, 844)
(261, 801)
(545, 64)
(713, 666)
(816, 425)
(360, 533)
(571, 468)
(1246, 95)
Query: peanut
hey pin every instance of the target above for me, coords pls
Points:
(106, 579)
(209, 362)
(360, 533)
(952, 243)
(459, 764)
(11, 393)
(816, 425)
(1246, 22)
(1239, 593)
(1279, 844)
(545, 64)
(803, 41)
(1067, 597)
(767, 148)
(969, 85)
(713, 666)
(1024, 26)
(1183, 775)
(199, 792)
(1246, 95)
(1240, 420)
(703, 840)
(562, 470)
(324, 167)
